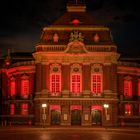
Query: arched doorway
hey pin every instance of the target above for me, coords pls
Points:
(55, 115)
(75, 115)
(96, 115)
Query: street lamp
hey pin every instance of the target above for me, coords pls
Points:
(106, 106)
(44, 106)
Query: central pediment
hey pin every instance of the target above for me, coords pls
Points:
(76, 47)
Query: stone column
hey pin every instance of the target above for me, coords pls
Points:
(44, 78)
(65, 80)
(86, 116)
(38, 77)
(65, 115)
(113, 73)
(107, 80)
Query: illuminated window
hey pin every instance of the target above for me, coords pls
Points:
(55, 83)
(55, 79)
(139, 87)
(96, 79)
(12, 86)
(24, 109)
(96, 86)
(128, 109)
(12, 109)
(25, 86)
(76, 79)
(75, 83)
(127, 87)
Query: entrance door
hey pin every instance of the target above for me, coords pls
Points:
(55, 117)
(96, 117)
(76, 117)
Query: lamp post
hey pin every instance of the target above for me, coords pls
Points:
(44, 106)
(106, 106)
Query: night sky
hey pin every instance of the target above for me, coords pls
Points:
(21, 22)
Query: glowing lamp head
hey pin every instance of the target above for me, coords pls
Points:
(106, 105)
(75, 22)
(44, 105)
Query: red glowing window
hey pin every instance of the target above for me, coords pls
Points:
(76, 83)
(55, 86)
(128, 109)
(24, 87)
(12, 109)
(24, 109)
(12, 87)
(96, 83)
(139, 88)
(128, 88)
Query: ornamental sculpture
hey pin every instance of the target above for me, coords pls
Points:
(76, 36)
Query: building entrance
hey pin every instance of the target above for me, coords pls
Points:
(96, 117)
(55, 117)
(76, 117)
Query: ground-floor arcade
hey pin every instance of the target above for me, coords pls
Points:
(75, 112)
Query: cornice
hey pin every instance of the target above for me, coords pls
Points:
(90, 57)
(69, 28)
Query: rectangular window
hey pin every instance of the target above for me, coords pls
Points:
(12, 88)
(12, 109)
(24, 87)
(96, 83)
(24, 109)
(128, 88)
(76, 83)
(128, 109)
(55, 83)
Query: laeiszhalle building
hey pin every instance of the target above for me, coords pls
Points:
(75, 77)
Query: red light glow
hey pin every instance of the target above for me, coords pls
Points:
(75, 83)
(12, 109)
(128, 109)
(24, 109)
(96, 107)
(24, 87)
(55, 107)
(96, 85)
(128, 88)
(12, 87)
(139, 88)
(55, 86)
(74, 107)
(75, 22)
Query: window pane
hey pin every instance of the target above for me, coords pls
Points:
(12, 109)
(24, 109)
(96, 85)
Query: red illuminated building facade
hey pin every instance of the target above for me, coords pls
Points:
(75, 77)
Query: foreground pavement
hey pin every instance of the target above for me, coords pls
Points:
(68, 133)
(133, 130)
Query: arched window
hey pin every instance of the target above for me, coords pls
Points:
(128, 86)
(76, 79)
(25, 86)
(12, 86)
(24, 109)
(96, 79)
(55, 79)
(12, 109)
(128, 109)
